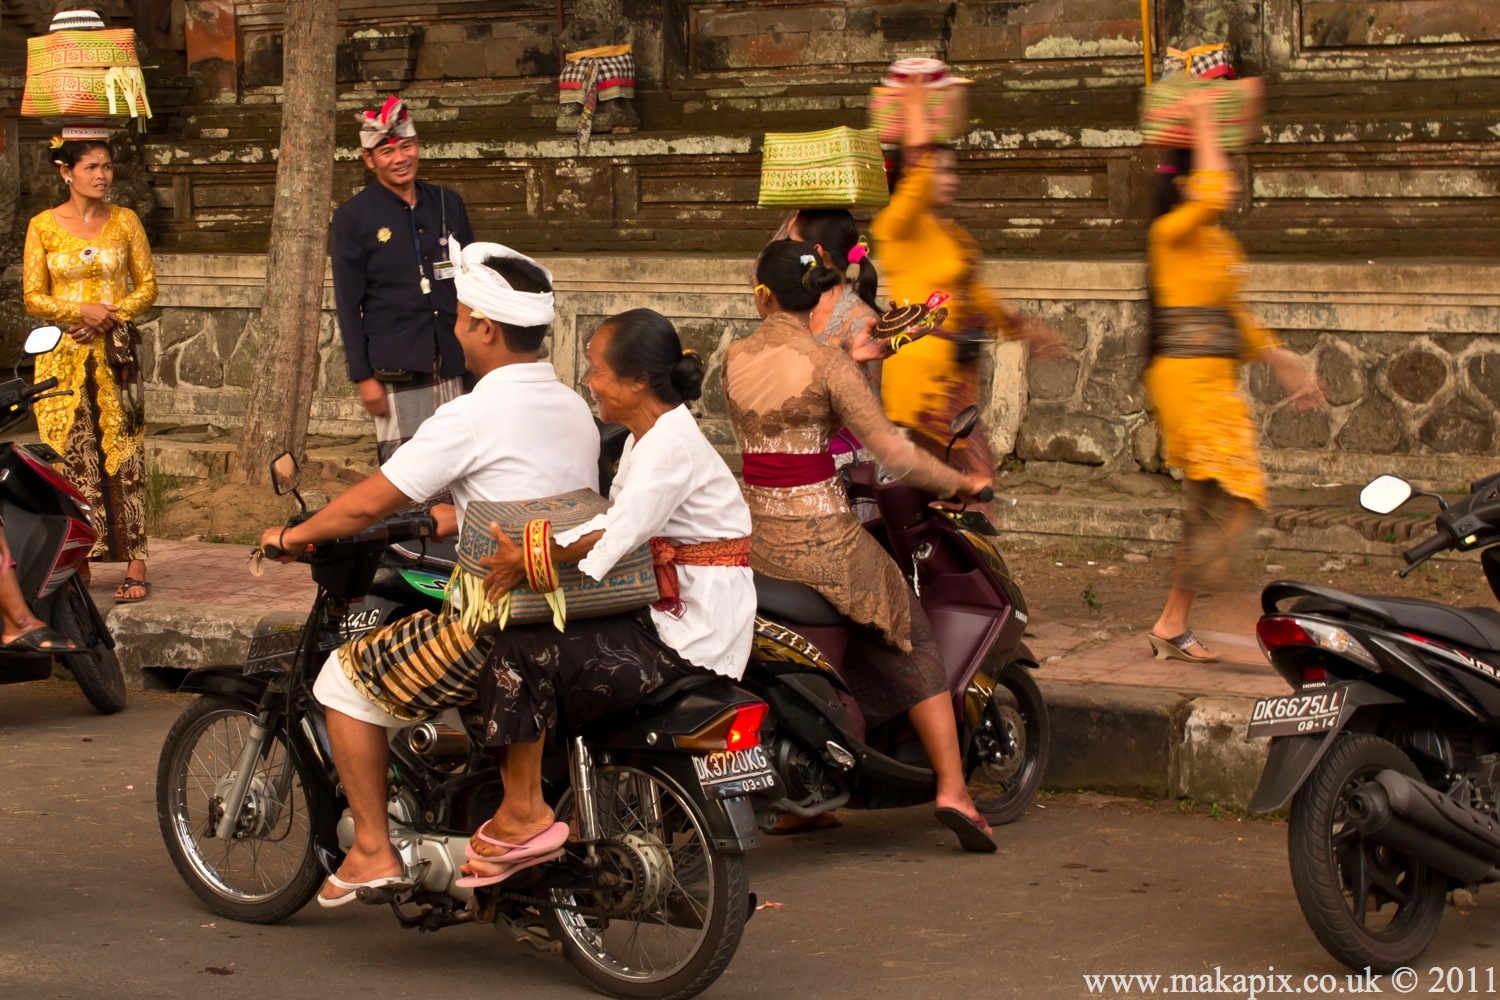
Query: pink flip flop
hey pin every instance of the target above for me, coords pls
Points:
(506, 871)
(545, 842)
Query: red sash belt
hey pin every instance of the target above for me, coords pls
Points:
(668, 555)
(782, 469)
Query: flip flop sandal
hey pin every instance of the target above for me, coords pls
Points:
(548, 840)
(971, 836)
(30, 643)
(130, 583)
(505, 872)
(351, 889)
(1176, 648)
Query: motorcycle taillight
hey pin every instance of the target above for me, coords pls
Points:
(74, 551)
(52, 476)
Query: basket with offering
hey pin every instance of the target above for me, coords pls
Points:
(905, 322)
(80, 75)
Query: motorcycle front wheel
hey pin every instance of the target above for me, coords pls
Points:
(98, 675)
(269, 870)
(1009, 747)
(670, 926)
(1367, 904)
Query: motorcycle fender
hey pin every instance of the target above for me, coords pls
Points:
(730, 822)
(227, 682)
(1293, 758)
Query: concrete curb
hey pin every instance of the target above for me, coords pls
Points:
(175, 635)
(1151, 743)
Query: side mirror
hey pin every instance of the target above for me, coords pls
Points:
(286, 476)
(1384, 494)
(963, 424)
(43, 339)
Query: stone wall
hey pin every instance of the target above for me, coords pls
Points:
(1410, 355)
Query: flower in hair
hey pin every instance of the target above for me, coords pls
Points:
(809, 260)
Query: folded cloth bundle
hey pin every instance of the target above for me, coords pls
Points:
(1206, 62)
(630, 585)
(945, 99)
(1237, 107)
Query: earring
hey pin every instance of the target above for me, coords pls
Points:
(67, 180)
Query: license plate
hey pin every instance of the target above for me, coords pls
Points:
(1311, 711)
(725, 774)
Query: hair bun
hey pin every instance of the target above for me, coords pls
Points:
(687, 376)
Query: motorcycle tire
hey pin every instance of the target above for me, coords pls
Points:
(98, 675)
(209, 734)
(1008, 751)
(1321, 864)
(653, 862)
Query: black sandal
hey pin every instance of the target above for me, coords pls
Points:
(131, 583)
(31, 643)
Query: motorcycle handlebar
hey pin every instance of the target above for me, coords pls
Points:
(985, 495)
(1423, 551)
(40, 387)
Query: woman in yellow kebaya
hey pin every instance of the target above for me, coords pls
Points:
(87, 268)
(1201, 337)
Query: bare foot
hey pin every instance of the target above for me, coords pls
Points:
(359, 868)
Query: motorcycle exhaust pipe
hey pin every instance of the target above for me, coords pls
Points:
(437, 742)
(1372, 814)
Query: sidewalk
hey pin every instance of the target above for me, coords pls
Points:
(1122, 722)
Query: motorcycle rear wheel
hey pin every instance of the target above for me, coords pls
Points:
(1008, 750)
(98, 675)
(682, 904)
(270, 870)
(1337, 872)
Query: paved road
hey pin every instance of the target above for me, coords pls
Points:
(884, 907)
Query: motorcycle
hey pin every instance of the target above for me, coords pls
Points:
(817, 738)
(49, 527)
(1389, 747)
(648, 901)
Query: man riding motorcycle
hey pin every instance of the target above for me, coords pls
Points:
(521, 434)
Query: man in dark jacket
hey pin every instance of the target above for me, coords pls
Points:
(393, 283)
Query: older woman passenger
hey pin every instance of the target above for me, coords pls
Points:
(787, 395)
(672, 490)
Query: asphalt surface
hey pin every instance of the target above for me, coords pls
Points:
(885, 906)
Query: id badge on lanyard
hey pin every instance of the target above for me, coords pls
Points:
(442, 270)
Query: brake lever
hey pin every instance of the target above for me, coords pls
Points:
(51, 395)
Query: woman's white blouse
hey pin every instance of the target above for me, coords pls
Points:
(672, 484)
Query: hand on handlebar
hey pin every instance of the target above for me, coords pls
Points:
(976, 487)
(271, 541)
(444, 520)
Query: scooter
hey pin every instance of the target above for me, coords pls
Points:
(823, 751)
(650, 897)
(49, 527)
(1389, 747)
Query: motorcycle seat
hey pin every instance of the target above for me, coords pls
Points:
(1476, 628)
(795, 603)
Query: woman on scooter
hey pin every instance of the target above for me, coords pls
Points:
(673, 491)
(787, 395)
(1201, 337)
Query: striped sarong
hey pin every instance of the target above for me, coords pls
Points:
(407, 404)
(417, 667)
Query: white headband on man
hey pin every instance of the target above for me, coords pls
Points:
(483, 290)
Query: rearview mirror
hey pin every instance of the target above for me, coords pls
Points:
(1384, 494)
(964, 422)
(43, 339)
(286, 476)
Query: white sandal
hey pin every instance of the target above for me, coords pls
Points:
(351, 889)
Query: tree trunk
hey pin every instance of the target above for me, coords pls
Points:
(286, 367)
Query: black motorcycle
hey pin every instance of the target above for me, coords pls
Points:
(816, 734)
(651, 896)
(1389, 749)
(49, 527)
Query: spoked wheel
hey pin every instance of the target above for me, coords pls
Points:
(673, 917)
(1367, 904)
(1008, 752)
(269, 870)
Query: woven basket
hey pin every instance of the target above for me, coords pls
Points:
(630, 585)
(836, 168)
(947, 113)
(84, 74)
(1237, 106)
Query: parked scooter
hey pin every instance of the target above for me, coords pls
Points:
(48, 525)
(651, 896)
(1389, 749)
(816, 734)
